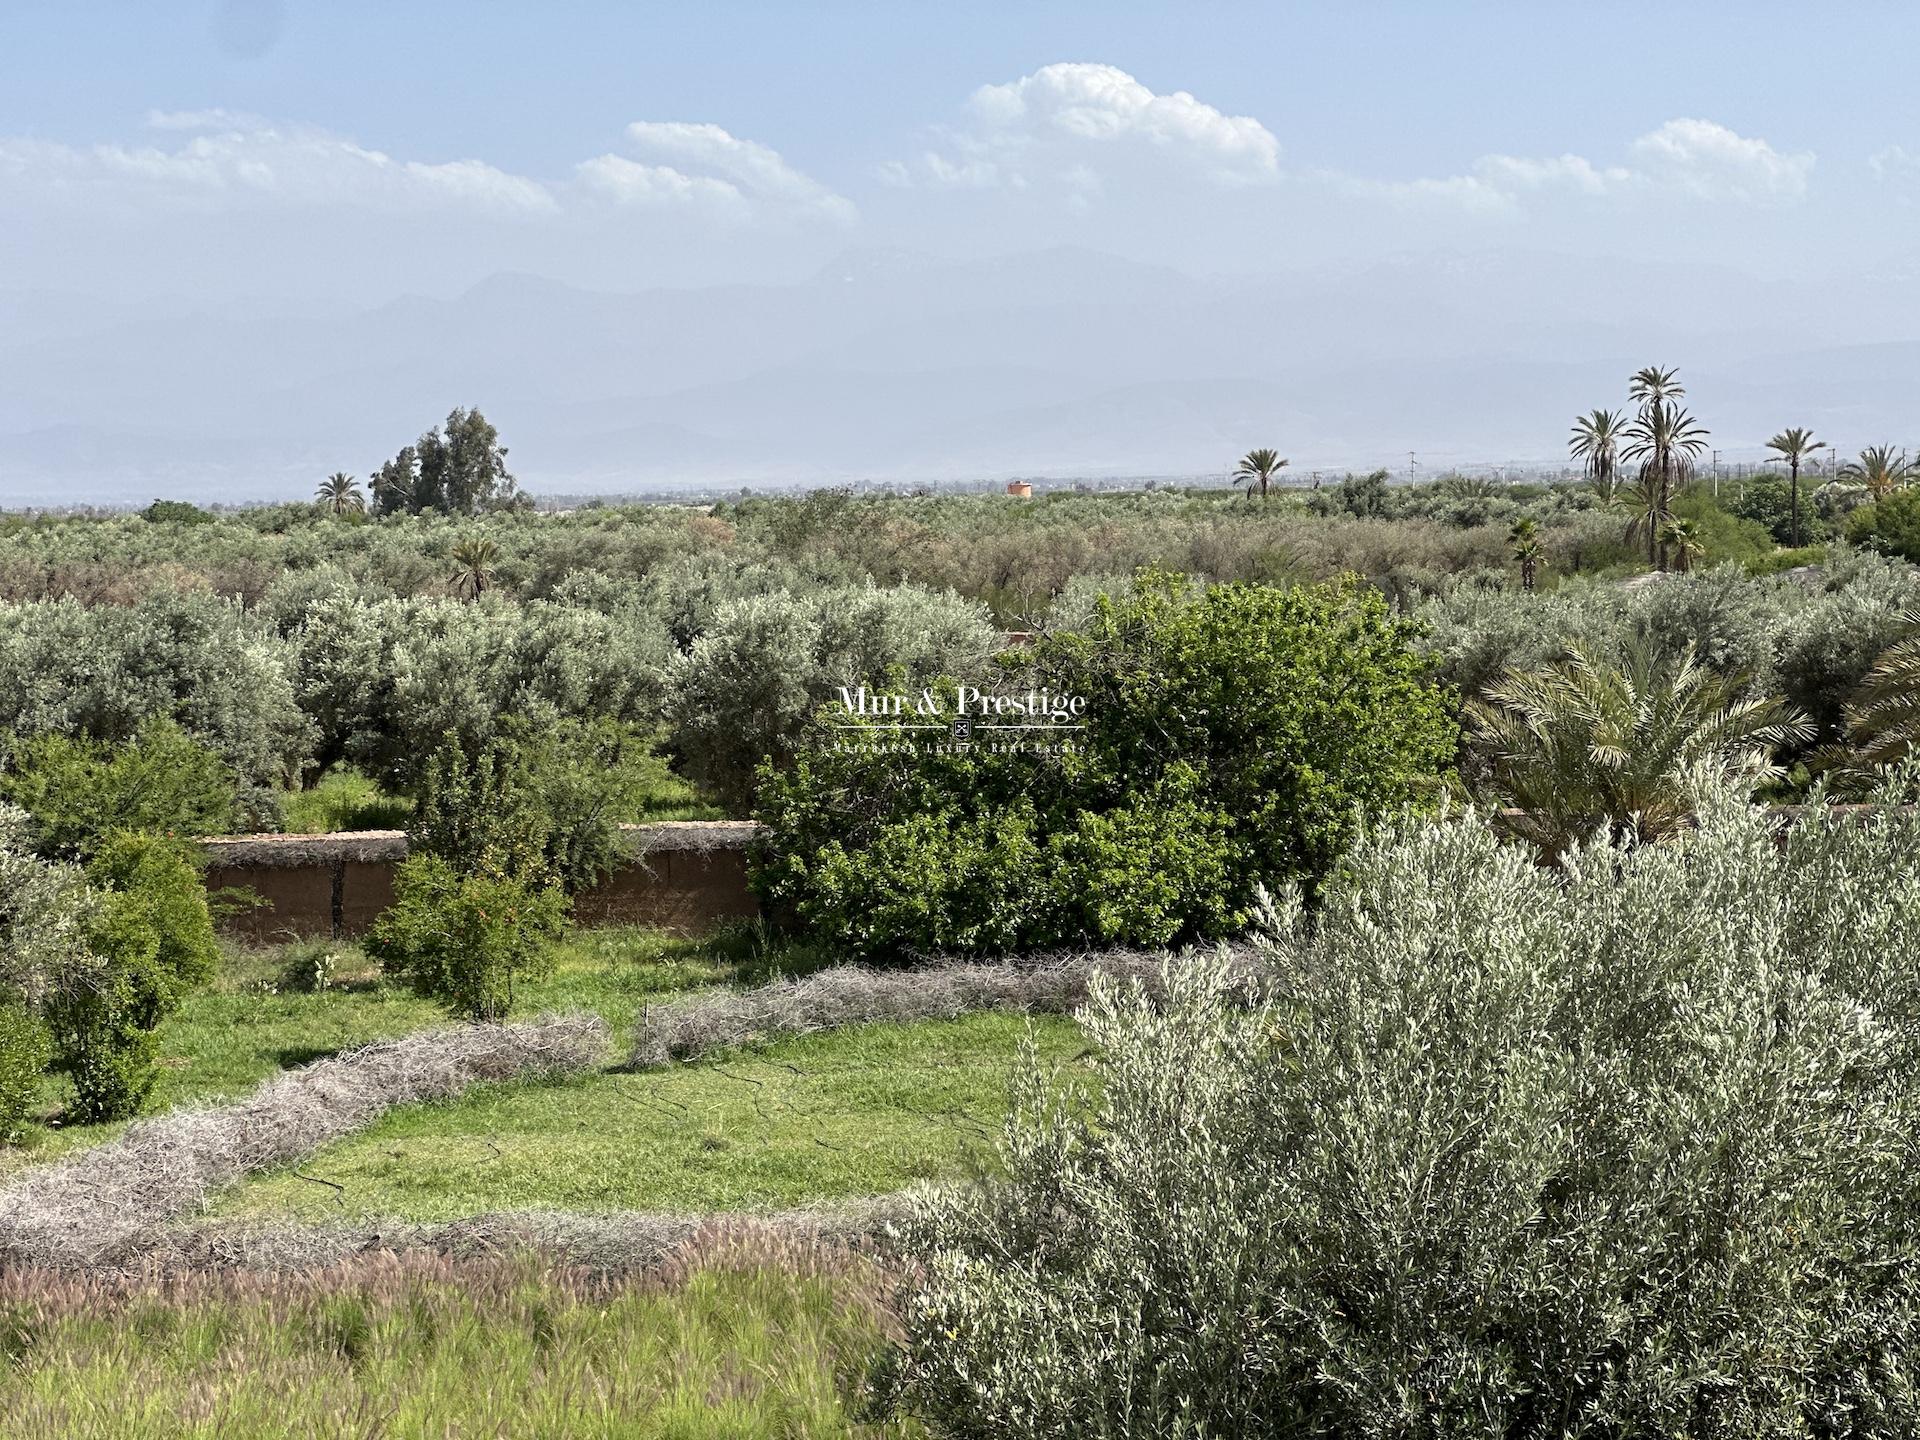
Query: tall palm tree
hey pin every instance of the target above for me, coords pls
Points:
(1525, 539)
(1665, 441)
(473, 560)
(1880, 469)
(1795, 446)
(1681, 539)
(340, 494)
(1258, 467)
(1585, 745)
(1596, 443)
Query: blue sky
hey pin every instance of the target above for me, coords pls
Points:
(243, 242)
(1756, 135)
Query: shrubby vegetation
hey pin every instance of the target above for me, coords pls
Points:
(1231, 733)
(1616, 1147)
(91, 960)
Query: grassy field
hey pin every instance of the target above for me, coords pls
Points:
(824, 1117)
(852, 1112)
(747, 1341)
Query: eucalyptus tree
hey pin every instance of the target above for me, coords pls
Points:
(1258, 469)
(1596, 444)
(1794, 445)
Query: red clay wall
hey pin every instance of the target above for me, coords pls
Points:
(686, 877)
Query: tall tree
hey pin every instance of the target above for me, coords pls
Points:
(340, 494)
(1665, 441)
(1257, 468)
(1596, 444)
(457, 468)
(395, 484)
(1881, 469)
(1794, 446)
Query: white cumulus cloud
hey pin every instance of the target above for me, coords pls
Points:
(1071, 122)
(1697, 159)
(213, 160)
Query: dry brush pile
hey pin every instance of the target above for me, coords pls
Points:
(110, 1205)
(857, 995)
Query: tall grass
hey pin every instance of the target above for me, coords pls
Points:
(747, 1334)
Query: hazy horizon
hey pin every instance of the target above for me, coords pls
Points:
(249, 243)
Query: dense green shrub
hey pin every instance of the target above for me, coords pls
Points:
(1231, 735)
(153, 940)
(25, 1049)
(78, 791)
(1618, 1148)
(1890, 525)
(478, 812)
(742, 692)
(465, 939)
(98, 674)
(386, 680)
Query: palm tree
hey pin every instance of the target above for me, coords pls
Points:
(1258, 467)
(473, 560)
(1880, 470)
(1795, 446)
(1525, 539)
(1882, 717)
(1596, 443)
(340, 494)
(1585, 746)
(1665, 440)
(1681, 538)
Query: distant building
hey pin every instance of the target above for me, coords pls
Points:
(1020, 489)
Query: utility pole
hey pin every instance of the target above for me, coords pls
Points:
(1410, 467)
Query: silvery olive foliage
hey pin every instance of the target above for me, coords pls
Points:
(743, 690)
(98, 673)
(1620, 1147)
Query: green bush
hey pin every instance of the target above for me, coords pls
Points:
(466, 939)
(1618, 1148)
(1890, 525)
(1232, 735)
(742, 693)
(25, 1049)
(153, 940)
(478, 812)
(162, 781)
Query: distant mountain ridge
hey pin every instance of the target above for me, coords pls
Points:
(887, 365)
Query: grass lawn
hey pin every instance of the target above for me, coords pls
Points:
(741, 1347)
(850, 1112)
(228, 1038)
(819, 1118)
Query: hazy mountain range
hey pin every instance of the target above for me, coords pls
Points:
(893, 366)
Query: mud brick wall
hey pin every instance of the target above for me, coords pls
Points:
(685, 876)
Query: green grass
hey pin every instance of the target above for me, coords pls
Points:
(850, 1112)
(824, 1117)
(743, 1346)
(344, 799)
(228, 1038)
